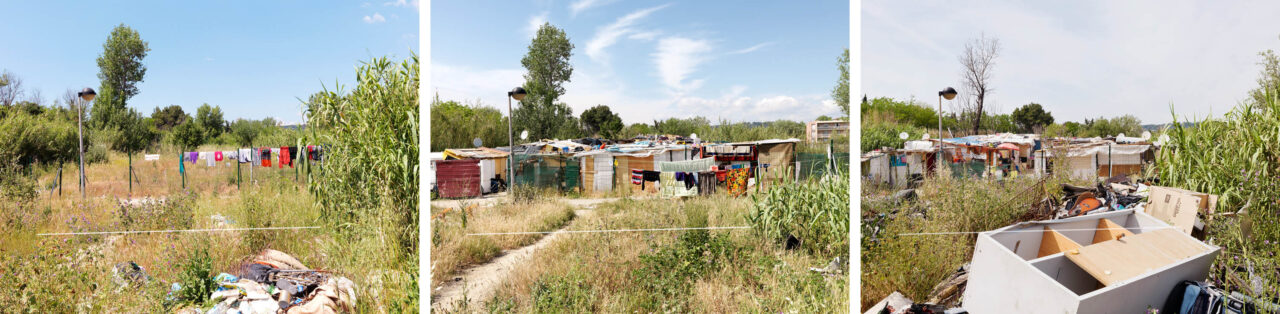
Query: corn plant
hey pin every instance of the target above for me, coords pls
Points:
(816, 213)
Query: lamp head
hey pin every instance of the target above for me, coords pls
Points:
(949, 93)
(87, 94)
(517, 93)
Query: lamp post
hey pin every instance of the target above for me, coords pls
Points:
(948, 93)
(518, 93)
(86, 95)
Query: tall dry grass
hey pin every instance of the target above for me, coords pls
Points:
(693, 271)
(452, 249)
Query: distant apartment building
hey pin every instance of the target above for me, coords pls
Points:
(816, 131)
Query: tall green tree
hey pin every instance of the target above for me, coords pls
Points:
(168, 117)
(120, 69)
(187, 136)
(841, 92)
(601, 121)
(245, 131)
(548, 68)
(1031, 116)
(210, 119)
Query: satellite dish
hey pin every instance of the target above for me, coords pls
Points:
(1121, 135)
(925, 137)
(1164, 138)
(524, 135)
(903, 135)
(1146, 135)
(693, 136)
(477, 142)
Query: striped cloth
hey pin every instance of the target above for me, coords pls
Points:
(637, 176)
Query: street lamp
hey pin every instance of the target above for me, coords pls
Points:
(948, 93)
(518, 93)
(87, 95)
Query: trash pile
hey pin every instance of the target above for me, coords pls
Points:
(1117, 193)
(274, 282)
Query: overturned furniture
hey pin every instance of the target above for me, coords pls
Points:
(1116, 262)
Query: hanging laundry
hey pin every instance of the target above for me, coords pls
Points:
(637, 176)
(650, 176)
(151, 157)
(265, 154)
(285, 158)
(293, 154)
(707, 182)
(737, 181)
(690, 180)
(181, 168)
(208, 156)
(192, 156)
(217, 156)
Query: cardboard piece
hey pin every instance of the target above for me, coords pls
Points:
(1178, 207)
(1112, 262)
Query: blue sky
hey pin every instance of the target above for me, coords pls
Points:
(1081, 59)
(754, 61)
(254, 59)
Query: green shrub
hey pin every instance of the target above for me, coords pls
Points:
(196, 277)
(555, 294)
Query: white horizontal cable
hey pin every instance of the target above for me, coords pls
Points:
(173, 231)
(1040, 230)
(615, 230)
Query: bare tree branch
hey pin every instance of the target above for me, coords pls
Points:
(978, 60)
(11, 90)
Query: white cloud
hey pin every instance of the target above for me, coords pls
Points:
(608, 35)
(676, 58)
(401, 3)
(649, 35)
(535, 22)
(582, 5)
(752, 48)
(734, 107)
(375, 18)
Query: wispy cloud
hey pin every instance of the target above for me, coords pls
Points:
(535, 22)
(608, 35)
(650, 35)
(752, 48)
(676, 58)
(472, 85)
(401, 3)
(375, 18)
(582, 5)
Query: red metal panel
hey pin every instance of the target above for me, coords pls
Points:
(458, 178)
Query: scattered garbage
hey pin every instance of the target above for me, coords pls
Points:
(274, 282)
(1197, 297)
(896, 303)
(222, 221)
(835, 268)
(128, 274)
(949, 290)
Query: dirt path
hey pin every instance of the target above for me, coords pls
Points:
(477, 284)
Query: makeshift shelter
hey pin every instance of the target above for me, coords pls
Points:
(1106, 159)
(493, 163)
(627, 157)
(1114, 262)
(458, 178)
(677, 188)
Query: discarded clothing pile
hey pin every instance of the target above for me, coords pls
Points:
(274, 282)
(1117, 193)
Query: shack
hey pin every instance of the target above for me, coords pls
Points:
(493, 163)
(458, 178)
